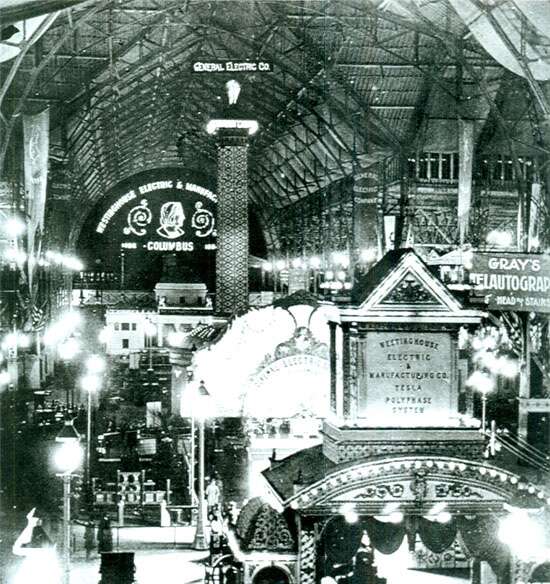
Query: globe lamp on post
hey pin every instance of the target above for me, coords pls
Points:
(200, 405)
(67, 458)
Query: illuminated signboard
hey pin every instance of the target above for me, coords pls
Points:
(162, 216)
(232, 66)
(407, 379)
(512, 281)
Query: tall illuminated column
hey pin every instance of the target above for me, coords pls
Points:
(232, 132)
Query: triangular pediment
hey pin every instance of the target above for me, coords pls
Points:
(409, 285)
(410, 290)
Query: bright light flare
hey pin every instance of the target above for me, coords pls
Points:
(315, 262)
(391, 514)
(368, 255)
(443, 517)
(176, 338)
(468, 259)
(340, 258)
(500, 238)
(149, 328)
(14, 226)
(68, 457)
(341, 275)
(70, 320)
(68, 261)
(72, 263)
(481, 382)
(105, 335)
(522, 534)
(10, 341)
(347, 510)
(69, 349)
(508, 367)
(5, 378)
(90, 383)
(95, 364)
(15, 255)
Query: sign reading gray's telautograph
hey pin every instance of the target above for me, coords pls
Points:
(512, 281)
(407, 379)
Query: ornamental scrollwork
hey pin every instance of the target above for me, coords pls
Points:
(394, 490)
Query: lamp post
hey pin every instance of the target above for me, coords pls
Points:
(483, 411)
(484, 383)
(91, 383)
(68, 458)
(150, 331)
(199, 412)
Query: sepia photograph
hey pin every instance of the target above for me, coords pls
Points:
(274, 291)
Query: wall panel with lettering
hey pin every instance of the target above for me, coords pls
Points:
(406, 380)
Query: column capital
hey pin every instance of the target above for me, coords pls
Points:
(231, 126)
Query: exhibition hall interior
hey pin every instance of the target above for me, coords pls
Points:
(274, 291)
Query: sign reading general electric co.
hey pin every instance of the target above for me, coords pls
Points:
(407, 379)
(232, 67)
(163, 215)
(512, 281)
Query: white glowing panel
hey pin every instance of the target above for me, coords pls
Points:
(406, 379)
(292, 386)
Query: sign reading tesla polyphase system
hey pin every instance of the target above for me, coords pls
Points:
(512, 281)
(407, 379)
(162, 216)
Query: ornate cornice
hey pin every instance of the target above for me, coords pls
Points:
(498, 484)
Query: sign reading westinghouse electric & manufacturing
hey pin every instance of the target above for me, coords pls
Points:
(512, 281)
(407, 381)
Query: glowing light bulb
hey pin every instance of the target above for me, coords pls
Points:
(315, 262)
(233, 90)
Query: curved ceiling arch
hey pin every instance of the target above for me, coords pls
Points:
(349, 85)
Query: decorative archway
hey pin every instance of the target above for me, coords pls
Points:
(472, 492)
(271, 362)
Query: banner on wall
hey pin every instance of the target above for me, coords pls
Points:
(36, 129)
(365, 200)
(466, 149)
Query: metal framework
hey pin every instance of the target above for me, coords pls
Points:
(352, 85)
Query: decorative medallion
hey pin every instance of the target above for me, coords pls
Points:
(410, 291)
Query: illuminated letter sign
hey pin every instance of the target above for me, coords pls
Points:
(162, 216)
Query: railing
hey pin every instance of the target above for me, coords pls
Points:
(523, 451)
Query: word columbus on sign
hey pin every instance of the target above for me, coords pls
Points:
(512, 281)
(232, 67)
